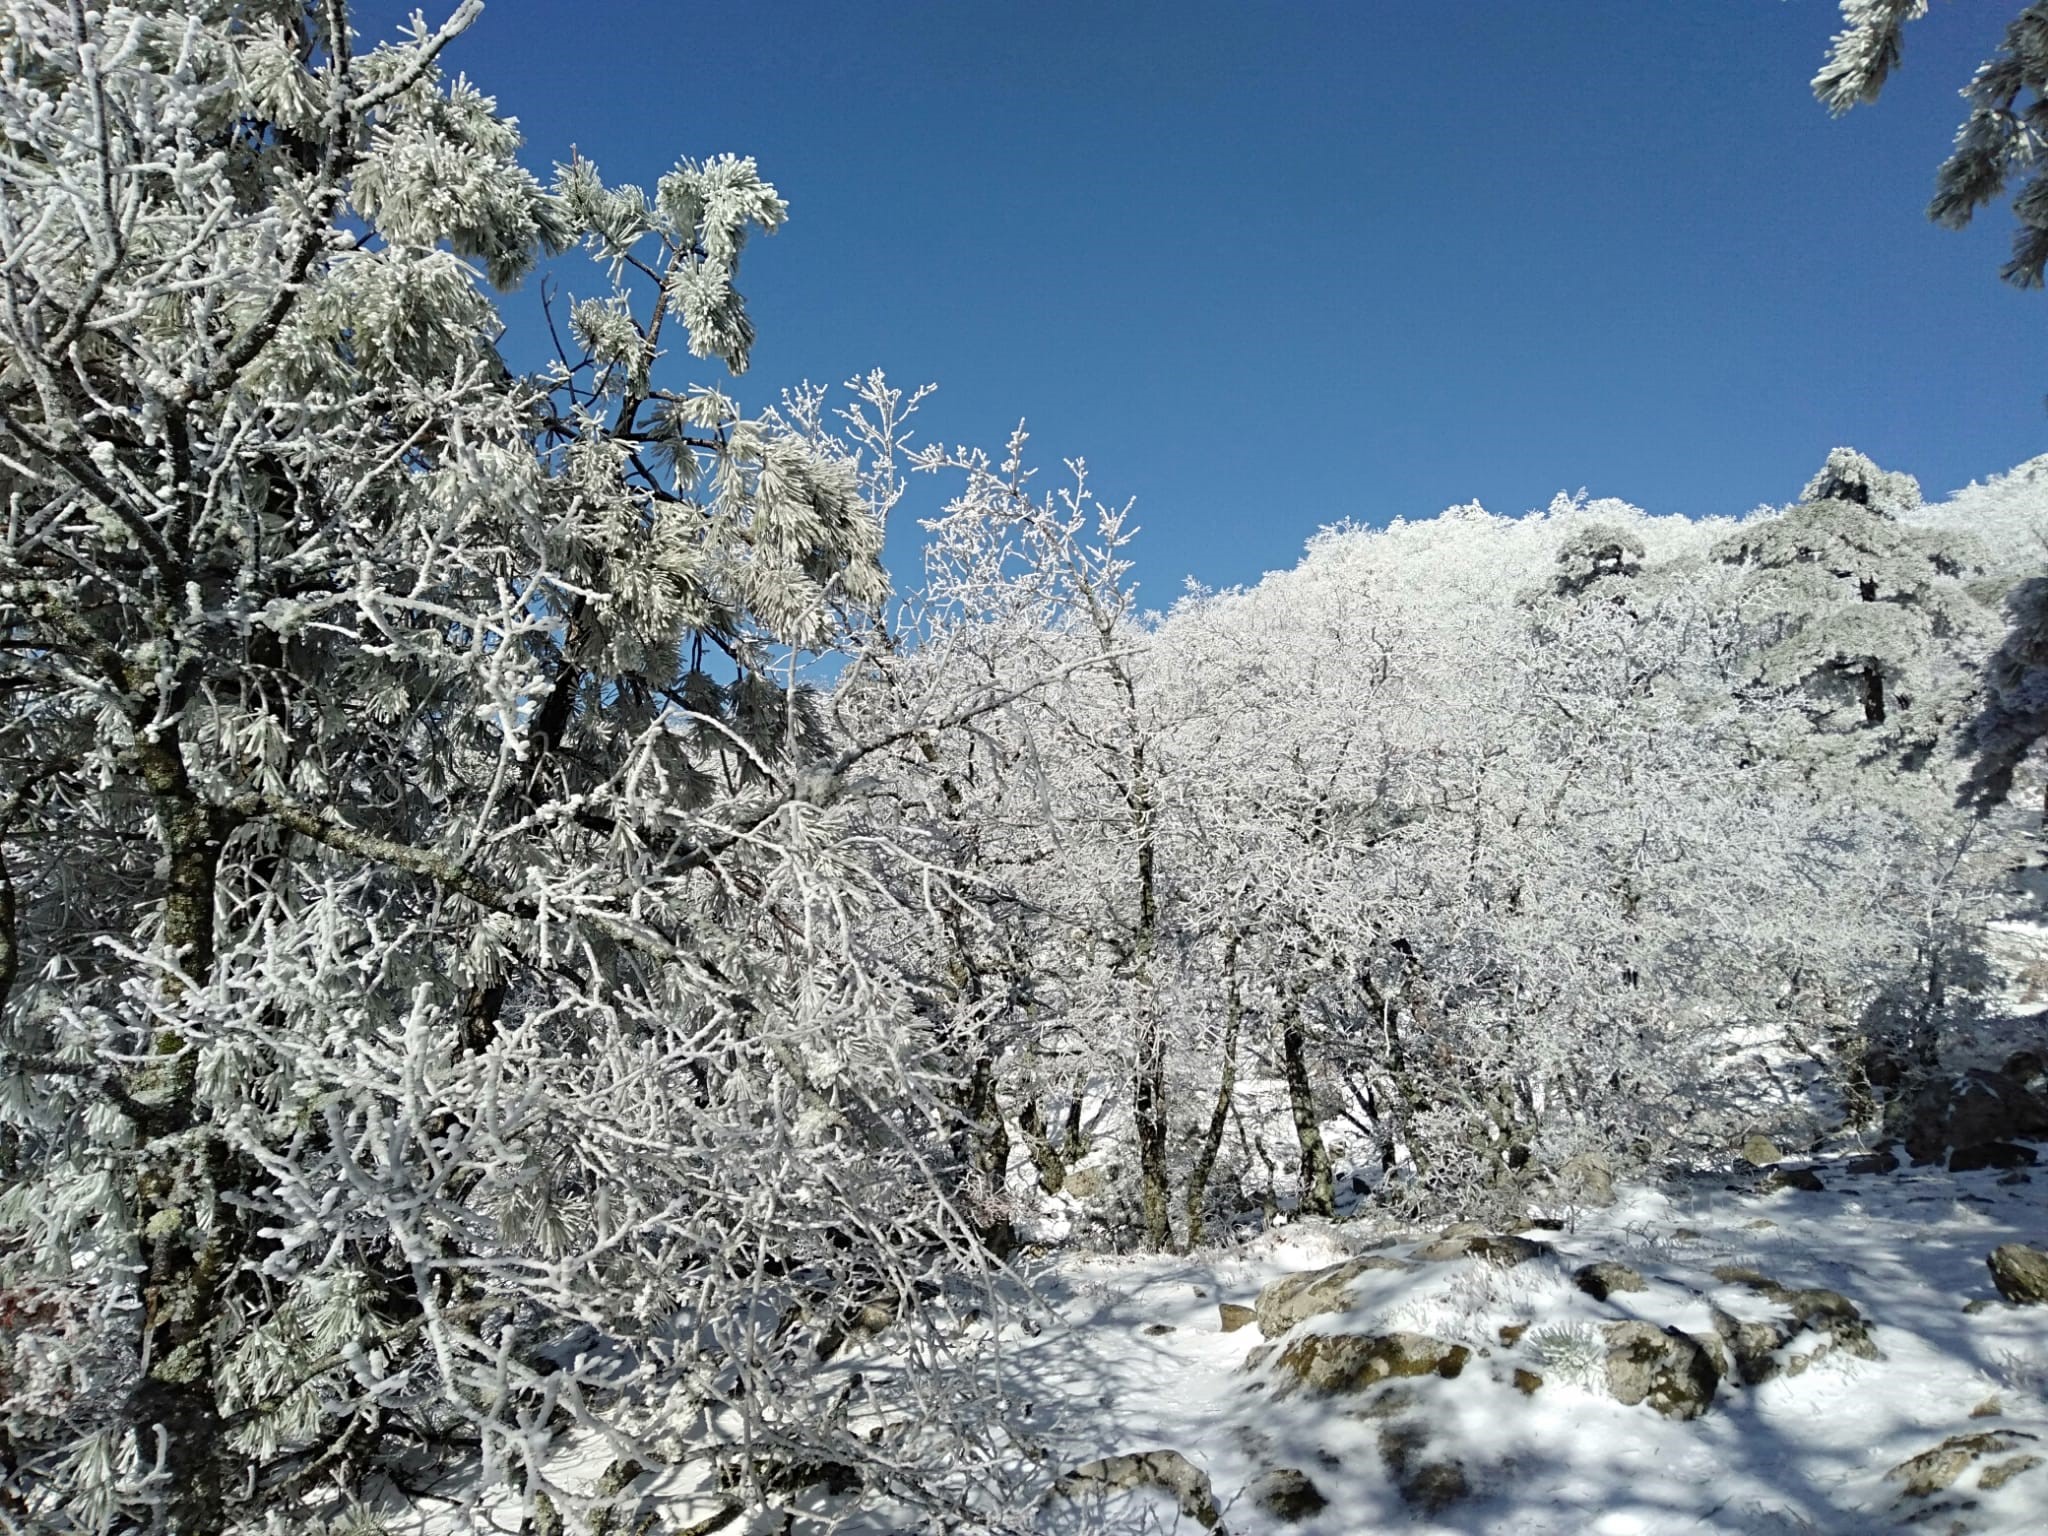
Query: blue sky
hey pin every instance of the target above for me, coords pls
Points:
(1272, 266)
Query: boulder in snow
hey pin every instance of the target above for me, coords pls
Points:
(1661, 1367)
(1293, 1298)
(1352, 1362)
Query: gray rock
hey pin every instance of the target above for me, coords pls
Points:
(1602, 1280)
(1233, 1317)
(1662, 1367)
(1293, 1298)
(1872, 1162)
(2020, 1273)
(1327, 1364)
(1163, 1469)
(1286, 1493)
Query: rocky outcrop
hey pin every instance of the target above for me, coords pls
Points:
(2020, 1273)
(1295, 1298)
(1168, 1471)
(1351, 1362)
(1662, 1367)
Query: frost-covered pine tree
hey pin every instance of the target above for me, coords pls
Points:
(443, 1040)
(1862, 614)
(1997, 144)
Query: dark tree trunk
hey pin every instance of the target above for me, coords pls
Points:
(189, 1236)
(1318, 1188)
(1226, 1090)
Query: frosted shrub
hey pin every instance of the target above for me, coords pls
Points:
(1572, 1352)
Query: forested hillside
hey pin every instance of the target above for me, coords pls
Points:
(534, 968)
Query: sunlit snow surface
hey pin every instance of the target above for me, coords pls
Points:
(1796, 1454)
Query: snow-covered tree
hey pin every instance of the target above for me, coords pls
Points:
(443, 1034)
(1857, 609)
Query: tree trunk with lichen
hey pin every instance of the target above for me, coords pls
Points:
(187, 1235)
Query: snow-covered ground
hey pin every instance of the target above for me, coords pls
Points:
(1138, 1361)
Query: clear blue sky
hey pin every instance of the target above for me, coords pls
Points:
(1270, 266)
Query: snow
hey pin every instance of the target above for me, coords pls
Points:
(1138, 1362)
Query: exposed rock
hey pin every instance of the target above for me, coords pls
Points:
(1753, 1346)
(1156, 1330)
(2020, 1273)
(1429, 1485)
(1873, 1162)
(2024, 1066)
(1602, 1280)
(1351, 1362)
(1759, 1151)
(1233, 1317)
(1991, 1154)
(1760, 1224)
(1793, 1178)
(1659, 1366)
(1990, 1408)
(1464, 1229)
(2014, 1177)
(1527, 1382)
(1999, 1473)
(1932, 1471)
(1511, 1334)
(1292, 1298)
(1286, 1493)
(1166, 1470)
